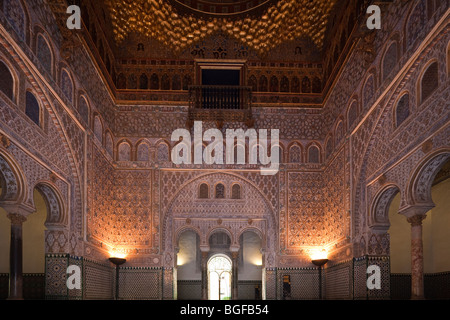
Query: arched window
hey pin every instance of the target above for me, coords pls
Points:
(165, 82)
(416, 22)
(132, 81)
(143, 152)
(6, 81)
(389, 60)
(109, 144)
(98, 128)
(203, 191)
(306, 85)
(66, 85)
(253, 83)
(284, 85)
(154, 82)
(295, 154)
(121, 81)
(295, 88)
(187, 81)
(313, 154)
(402, 110)
(263, 84)
(352, 113)
(44, 54)
(280, 153)
(162, 152)
(369, 91)
(143, 82)
(316, 85)
(429, 81)
(83, 109)
(220, 191)
(236, 191)
(176, 82)
(32, 109)
(15, 14)
(124, 151)
(274, 87)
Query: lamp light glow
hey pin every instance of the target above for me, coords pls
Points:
(114, 253)
(319, 254)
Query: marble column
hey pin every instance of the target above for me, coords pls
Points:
(234, 275)
(204, 266)
(16, 257)
(417, 286)
(415, 216)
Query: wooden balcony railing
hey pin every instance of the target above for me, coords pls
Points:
(226, 103)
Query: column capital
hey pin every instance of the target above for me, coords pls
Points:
(416, 210)
(416, 220)
(16, 218)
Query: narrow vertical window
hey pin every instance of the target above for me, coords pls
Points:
(204, 191)
(32, 109)
(6, 81)
(429, 81)
(220, 191)
(236, 191)
(402, 110)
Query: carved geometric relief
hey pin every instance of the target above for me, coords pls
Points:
(305, 209)
(9, 183)
(16, 16)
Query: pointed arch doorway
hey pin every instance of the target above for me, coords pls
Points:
(219, 277)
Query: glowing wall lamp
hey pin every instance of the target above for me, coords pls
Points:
(117, 260)
(319, 258)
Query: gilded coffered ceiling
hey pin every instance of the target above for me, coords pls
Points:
(261, 25)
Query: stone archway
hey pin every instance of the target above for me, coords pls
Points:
(378, 240)
(419, 202)
(13, 193)
(419, 189)
(232, 216)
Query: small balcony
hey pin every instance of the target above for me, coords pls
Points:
(219, 103)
